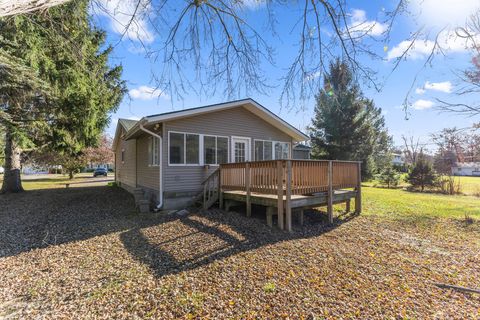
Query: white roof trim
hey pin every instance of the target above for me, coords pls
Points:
(249, 104)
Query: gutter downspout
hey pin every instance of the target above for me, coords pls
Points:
(160, 167)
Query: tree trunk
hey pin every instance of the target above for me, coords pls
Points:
(12, 181)
(70, 174)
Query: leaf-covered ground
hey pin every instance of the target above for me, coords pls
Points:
(82, 253)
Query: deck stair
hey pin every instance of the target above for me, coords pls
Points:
(211, 189)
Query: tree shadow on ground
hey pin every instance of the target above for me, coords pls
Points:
(200, 238)
(166, 243)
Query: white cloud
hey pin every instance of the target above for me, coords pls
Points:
(447, 42)
(120, 13)
(445, 86)
(442, 13)
(147, 93)
(422, 104)
(252, 4)
(133, 118)
(419, 91)
(360, 25)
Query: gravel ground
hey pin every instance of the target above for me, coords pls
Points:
(83, 253)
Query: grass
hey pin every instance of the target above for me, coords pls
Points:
(53, 181)
(399, 203)
(81, 251)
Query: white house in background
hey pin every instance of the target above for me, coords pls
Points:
(398, 159)
(466, 169)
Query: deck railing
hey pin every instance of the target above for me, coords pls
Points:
(306, 176)
(285, 178)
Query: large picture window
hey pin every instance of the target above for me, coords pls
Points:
(215, 149)
(184, 148)
(271, 150)
(153, 151)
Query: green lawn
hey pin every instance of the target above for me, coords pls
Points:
(470, 185)
(52, 181)
(399, 203)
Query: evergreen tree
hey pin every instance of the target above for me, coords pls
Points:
(68, 107)
(348, 126)
(422, 175)
(388, 177)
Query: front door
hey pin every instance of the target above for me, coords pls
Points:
(240, 149)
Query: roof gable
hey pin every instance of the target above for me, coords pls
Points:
(249, 104)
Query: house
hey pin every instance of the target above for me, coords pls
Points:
(169, 155)
(301, 151)
(466, 169)
(398, 159)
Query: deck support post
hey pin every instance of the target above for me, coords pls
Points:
(280, 193)
(270, 216)
(347, 205)
(358, 196)
(247, 189)
(220, 191)
(288, 197)
(301, 217)
(330, 193)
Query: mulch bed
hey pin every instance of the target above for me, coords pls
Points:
(83, 253)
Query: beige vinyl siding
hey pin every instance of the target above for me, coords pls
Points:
(232, 122)
(147, 176)
(126, 170)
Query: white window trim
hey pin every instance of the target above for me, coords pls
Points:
(216, 149)
(273, 148)
(151, 142)
(201, 155)
(200, 151)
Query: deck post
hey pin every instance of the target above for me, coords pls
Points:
(280, 193)
(270, 216)
(330, 192)
(220, 191)
(358, 196)
(301, 217)
(247, 189)
(347, 205)
(288, 196)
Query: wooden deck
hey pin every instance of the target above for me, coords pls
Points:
(285, 185)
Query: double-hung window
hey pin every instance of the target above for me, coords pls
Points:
(215, 149)
(153, 151)
(271, 150)
(184, 148)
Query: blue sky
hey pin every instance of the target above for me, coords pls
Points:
(436, 80)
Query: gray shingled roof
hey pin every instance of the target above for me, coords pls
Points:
(127, 123)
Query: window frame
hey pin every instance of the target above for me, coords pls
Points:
(273, 149)
(122, 156)
(152, 143)
(201, 153)
(216, 164)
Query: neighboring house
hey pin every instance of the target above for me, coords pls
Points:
(301, 151)
(169, 155)
(398, 159)
(94, 165)
(466, 169)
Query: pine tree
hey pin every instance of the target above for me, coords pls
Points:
(422, 175)
(68, 107)
(346, 125)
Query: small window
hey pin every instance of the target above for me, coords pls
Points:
(263, 150)
(281, 150)
(153, 151)
(215, 150)
(184, 148)
(123, 155)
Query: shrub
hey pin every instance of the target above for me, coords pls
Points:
(388, 177)
(422, 175)
(449, 185)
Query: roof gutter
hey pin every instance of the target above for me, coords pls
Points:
(160, 176)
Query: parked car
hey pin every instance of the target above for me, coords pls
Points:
(100, 172)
